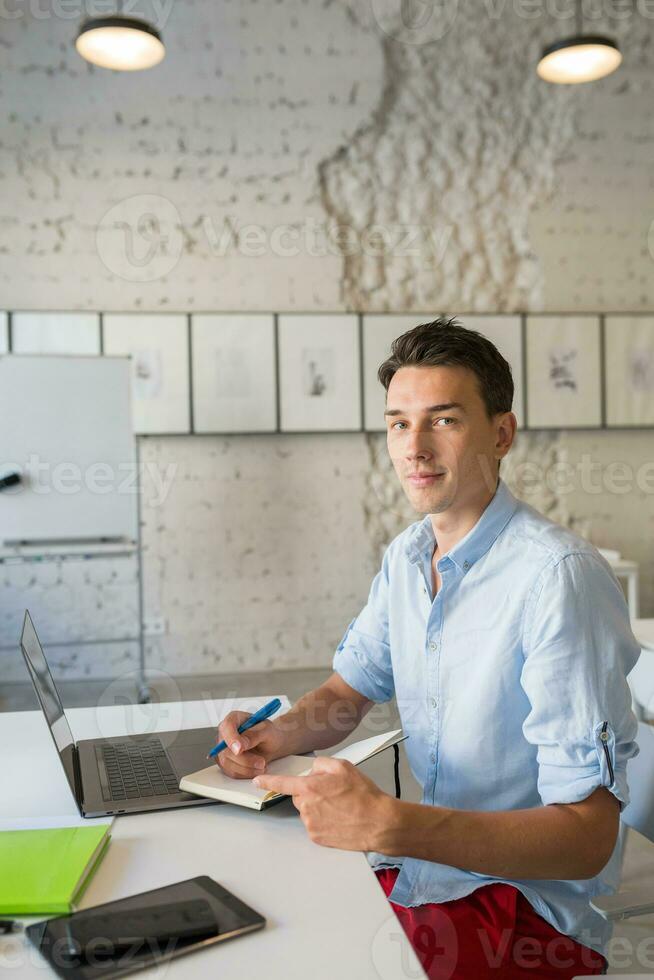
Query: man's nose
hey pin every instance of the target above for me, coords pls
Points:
(417, 446)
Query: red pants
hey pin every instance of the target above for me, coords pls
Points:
(492, 933)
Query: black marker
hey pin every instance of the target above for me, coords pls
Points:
(10, 480)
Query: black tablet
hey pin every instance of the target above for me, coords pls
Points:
(120, 937)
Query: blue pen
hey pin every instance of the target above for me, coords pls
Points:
(260, 715)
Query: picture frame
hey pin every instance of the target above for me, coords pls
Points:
(629, 370)
(319, 372)
(233, 370)
(55, 333)
(379, 331)
(158, 344)
(4, 332)
(563, 358)
(504, 330)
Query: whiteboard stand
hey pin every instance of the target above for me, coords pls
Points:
(75, 412)
(23, 553)
(144, 695)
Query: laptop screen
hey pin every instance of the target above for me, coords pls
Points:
(49, 699)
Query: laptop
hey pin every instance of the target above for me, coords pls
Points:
(123, 774)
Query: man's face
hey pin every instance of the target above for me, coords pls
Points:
(436, 425)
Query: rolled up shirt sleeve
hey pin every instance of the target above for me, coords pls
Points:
(363, 657)
(578, 649)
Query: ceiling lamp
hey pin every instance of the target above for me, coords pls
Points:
(580, 58)
(121, 43)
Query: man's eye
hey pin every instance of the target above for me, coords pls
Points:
(448, 420)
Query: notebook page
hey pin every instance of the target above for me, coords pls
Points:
(213, 783)
(360, 751)
(212, 780)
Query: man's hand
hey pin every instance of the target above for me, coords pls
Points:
(339, 806)
(247, 753)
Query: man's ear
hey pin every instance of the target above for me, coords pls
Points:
(506, 430)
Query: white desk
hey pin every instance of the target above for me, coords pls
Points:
(326, 915)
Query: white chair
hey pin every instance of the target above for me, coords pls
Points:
(639, 815)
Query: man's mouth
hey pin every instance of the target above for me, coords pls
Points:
(424, 479)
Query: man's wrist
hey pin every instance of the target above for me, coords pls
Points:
(403, 829)
(293, 734)
(389, 826)
(285, 737)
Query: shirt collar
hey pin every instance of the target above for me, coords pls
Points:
(478, 539)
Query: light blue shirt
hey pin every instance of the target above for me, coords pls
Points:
(510, 684)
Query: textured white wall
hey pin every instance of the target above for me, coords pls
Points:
(295, 118)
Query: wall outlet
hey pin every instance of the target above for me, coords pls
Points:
(154, 626)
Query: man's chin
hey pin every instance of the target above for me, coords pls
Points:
(429, 500)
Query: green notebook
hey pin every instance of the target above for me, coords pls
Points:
(46, 871)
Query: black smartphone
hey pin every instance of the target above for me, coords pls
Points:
(117, 938)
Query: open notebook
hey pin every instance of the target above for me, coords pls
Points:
(214, 784)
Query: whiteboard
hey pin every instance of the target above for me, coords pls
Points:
(65, 426)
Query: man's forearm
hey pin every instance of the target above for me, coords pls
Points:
(558, 841)
(322, 718)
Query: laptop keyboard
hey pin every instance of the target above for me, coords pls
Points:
(136, 769)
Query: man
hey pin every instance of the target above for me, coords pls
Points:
(506, 641)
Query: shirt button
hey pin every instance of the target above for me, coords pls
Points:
(434, 702)
(433, 647)
(433, 758)
(466, 565)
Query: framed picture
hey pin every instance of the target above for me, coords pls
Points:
(158, 345)
(234, 376)
(563, 372)
(55, 333)
(629, 371)
(4, 332)
(319, 372)
(379, 332)
(505, 331)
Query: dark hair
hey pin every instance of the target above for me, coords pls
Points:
(446, 342)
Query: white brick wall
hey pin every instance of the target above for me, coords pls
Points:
(285, 116)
